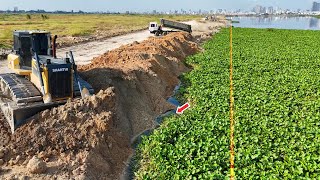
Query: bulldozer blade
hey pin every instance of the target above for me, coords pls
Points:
(86, 91)
(17, 115)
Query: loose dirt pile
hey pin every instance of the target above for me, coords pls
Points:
(144, 75)
(90, 138)
(4, 131)
(63, 137)
(203, 30)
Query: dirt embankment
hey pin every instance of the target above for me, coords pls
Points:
(144, 75)
(90, 138)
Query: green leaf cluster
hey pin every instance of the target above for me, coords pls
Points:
(277, 111)
(277, 104)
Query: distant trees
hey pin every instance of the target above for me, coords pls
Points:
(44, 17)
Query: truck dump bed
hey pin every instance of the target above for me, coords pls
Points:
(176, 25)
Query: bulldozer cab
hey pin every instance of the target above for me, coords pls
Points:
(27, 42)
(39, 79)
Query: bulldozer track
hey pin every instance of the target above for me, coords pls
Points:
(19, 89)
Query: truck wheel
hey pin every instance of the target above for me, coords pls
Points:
(157, 33)
(165, 33)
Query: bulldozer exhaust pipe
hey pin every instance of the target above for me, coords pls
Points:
(54, 46)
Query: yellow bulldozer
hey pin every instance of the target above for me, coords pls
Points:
(38, 79)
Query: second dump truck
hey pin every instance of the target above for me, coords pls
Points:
(173, 25)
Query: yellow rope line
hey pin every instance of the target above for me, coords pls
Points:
(232, 173)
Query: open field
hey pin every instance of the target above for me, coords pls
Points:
(277, 100)
(91, 25)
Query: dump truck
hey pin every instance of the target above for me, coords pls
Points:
(174, 26)
(39, 80)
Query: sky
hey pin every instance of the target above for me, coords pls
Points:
(149, 5)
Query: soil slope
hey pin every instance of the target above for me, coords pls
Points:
(90, 138)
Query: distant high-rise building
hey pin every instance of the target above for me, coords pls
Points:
(315, 6)
(258, 9)
(15, 9)
(270, 10)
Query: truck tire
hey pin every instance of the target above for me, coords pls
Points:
(157, 33)
(165, 33)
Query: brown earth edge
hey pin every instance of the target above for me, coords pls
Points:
(90, 138)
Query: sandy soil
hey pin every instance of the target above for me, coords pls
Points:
(90, 138)
(3, 67)
(3, 63)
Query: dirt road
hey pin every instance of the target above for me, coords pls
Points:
(3, 67)
(85, 52)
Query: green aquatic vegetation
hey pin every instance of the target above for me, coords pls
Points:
(277, 103)
(277, 111)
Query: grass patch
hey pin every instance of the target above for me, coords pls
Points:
(4, 46)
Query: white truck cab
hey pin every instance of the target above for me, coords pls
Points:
(167, 26)
(153, 27)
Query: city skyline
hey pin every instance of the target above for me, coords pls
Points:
(146, 5)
